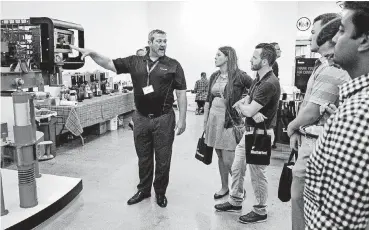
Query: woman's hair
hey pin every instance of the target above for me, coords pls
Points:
(232, 66)
(230, 53)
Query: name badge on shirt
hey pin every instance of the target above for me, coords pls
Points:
(148, 89)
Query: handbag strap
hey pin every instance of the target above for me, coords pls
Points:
(230, 116)
(265, 133)
(265, 130)
(293, 153)
(318, 119)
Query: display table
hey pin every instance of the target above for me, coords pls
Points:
(90, 112)
(54, 193)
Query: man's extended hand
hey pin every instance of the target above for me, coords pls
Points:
(181, 126)
(328, 109)
(259, 117)
(84, 52)
(295, 141)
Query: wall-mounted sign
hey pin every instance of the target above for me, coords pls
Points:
(303, 24)
(304, 68)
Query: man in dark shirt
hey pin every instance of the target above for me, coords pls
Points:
(154, 76)
(259, 106)
(276, 73)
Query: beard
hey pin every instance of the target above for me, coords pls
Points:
(256, 67)
(346, 62)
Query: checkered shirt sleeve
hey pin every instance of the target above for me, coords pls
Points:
(336, 191)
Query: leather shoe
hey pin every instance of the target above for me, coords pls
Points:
(138, 197)
(161, 200)
(217, 196)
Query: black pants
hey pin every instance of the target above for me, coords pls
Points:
(154, 135)
(200, 104)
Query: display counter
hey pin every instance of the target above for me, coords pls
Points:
(90, 112)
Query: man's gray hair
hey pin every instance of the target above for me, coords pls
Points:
(153, 32)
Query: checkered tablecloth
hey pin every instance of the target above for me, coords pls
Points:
(91, 111)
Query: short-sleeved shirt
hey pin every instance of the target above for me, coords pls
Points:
(323, 84)
(165, 76)
(265, 92)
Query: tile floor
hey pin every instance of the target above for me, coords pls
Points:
(108, 166)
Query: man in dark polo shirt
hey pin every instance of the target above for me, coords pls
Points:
(260, 105)
(154, 77)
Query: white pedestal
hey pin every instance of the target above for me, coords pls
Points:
(53, 192)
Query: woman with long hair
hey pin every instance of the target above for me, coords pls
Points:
(226, 87)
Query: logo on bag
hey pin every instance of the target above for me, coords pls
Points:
(198, 153)
(259, 152)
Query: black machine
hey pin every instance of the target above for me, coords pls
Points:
(37, 50)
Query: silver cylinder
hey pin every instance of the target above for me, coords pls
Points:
(27, 186)
(26, 158)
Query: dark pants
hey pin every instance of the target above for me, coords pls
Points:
(200, 104)
(154, 135)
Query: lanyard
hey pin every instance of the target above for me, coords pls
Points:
(150, 70)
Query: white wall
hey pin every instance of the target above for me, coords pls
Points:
(196, 30)
(312, 9)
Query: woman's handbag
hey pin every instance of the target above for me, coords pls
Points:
(238, 130)
(284, 188)
(258, 147)
(204, 153)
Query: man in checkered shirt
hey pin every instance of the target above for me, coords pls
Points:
(322, 88)
(336, 192)
(201, 90)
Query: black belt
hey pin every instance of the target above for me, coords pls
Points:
(152, 115)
